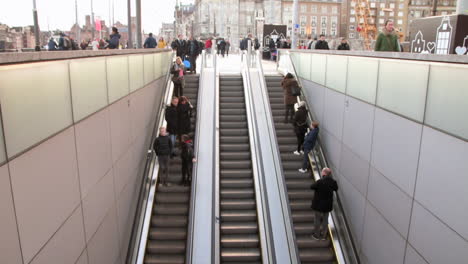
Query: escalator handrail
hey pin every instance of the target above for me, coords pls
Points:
(291, 236)
(216, 234)
(264, 227)
(341, 234)
(193, 192)
(139, 237)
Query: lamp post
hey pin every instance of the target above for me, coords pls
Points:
(129, 18)
(295, 24)
(92, 20)
(36, 28)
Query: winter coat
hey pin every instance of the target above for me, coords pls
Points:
(187, 152)
(311, 139)
(387, 41)
(322, 44)
(114, 41)
(171, 119)
(150, 43)
(175, 72)
(208, 44)
(163, 146)
(287, 85)
(52, 45)
(323, 195)
(193, 49)
(184, 112)
(222, 45)
(161, 44)
(180, 46)
(300, 120)
(343, 46)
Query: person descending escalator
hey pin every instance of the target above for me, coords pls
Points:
(163, 148)
(193, 50)
(188, 158)
(289, 99)
(300, 126)
(184, 113)
(309, 144)
(172, 121)
(178, 72)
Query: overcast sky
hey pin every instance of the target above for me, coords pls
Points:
(60, 14)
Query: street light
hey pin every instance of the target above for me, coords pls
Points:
(36, 27)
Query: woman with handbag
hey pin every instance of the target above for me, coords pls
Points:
(178, 71)
(300, 126)
(289, 84)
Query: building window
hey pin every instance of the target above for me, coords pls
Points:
(324, 31)
(401, 6)
(400, 22)
(314, 9)
(303, 21)
(314, 31)
(335, 10)
(392, 5)
(314, 21)
(352, 11)
(372, 12)
(382, 5)
(372, 5)
(352, 19)
(382, 13)
(352, 28)
(392, 14)
(302, 31)
(324, 9)
(353, 4)
(351, 35)
(400, 14)
(381, 21)
(323, 21)
(303, 8)
(249, 20)
(333, 32)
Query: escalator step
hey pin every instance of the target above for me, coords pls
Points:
(164, 259)
(168, 234)
(239, 241)
(168, 221)
(237, 204)
(240, 254)
(239, 215)
(165, 247)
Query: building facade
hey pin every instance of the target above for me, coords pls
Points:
(167, 31)
(425, 8)
(184, 20)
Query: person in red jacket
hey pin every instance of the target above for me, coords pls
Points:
(208, 45)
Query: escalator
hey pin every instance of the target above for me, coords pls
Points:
(298, 184)
(168, 229)
(239, 227)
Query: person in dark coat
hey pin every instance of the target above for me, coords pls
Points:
(272, 47)
(228, 46)
(344, 45)
(178, 72)
(179, 46)
(52, 45)
(322, 203)
(150, 42)
(114, 40)
(300, 126)
(309, 144)
(322, 43)
(289, 100)
(184, 113)
(188, 158)
(163, 147)
(222, 47)
(193, 50)
(256, 44)
(172, 119)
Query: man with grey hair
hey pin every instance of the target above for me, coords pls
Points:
(322, 203)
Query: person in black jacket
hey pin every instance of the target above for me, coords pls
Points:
(344, 45)
(322, 203)
(114, 39)
(300, 126)
(184, 113)
(322, 43)
(172, 119)
(188, 158)
(193, 50)
(178, 73)
(179, 46)
(150, 42)
(163, 147)
(309, 144)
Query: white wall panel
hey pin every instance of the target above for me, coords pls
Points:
(319, 67)
(89, 86)
(120, 127)
(304, 68)
(447, 106)
(362, 78)
(332, 147)
(148, 67)
(402, 87)
(40, 101)
(390, 201)
(358, 126)
(442, 178)
(337, 68)
(315, 95)
(434, 240)
(355, 169)
(333, 112)
(117, 77)
(104, 246)
(395, 148)
(413, 257)
(135, 68)
(381, 243)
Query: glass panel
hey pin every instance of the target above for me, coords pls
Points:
(337, 67)
(319, 62)
(35, 107)
(447, 98)
(157, 65)
(402, 87)
(135, 67)
(304, 69)
(362, 78)
(2, 145)
(89, 87)
(296, 62)
(117, 77)
(149, 68)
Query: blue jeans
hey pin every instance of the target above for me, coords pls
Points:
(172, 137)
(305, 163)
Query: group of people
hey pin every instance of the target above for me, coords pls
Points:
(68, 43)
(151, 43)
(322, 203)
(178, 115)
(188, 49)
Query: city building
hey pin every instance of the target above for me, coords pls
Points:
(425, 8)
(167, 31)
(184, 19)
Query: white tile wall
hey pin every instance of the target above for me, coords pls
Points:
(443, 178)
(413, 257)
(83, 258)
(117, 77)
(9, 241)
(358, 126)
(66, 245)
(319, 66)
(390, 201)
(316, 97)
(124, 170)
(332, 147)
(136, 73)
(333, 112)
(434, 240)
(395, 148)
(104, 245)
(362, 78)
(381, 243)
(41, 206)
(148, 60)
(355, 169)
(120, 127)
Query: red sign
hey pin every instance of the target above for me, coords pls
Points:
(98, 24)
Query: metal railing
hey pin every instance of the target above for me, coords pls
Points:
(343, 245)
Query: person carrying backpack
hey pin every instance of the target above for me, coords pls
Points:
(188, 158)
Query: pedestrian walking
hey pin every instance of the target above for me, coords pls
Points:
(288, 83)
(171, 117)
(228, 47)
(114, 40)
(208, 45)
(387, 39)
(184, 113)
(322, 203)
(150, 42)
(193, 50)
(222, 47)
(312, 43)
(300, 126)
(179, 46)
(178, 72)
(161, 43)
(188, 158)
(52, 45)
(309, 144)
(343, 45)
(322, 44)
(163, 148)
(84, 44)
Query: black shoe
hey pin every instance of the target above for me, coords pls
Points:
(314, 237)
